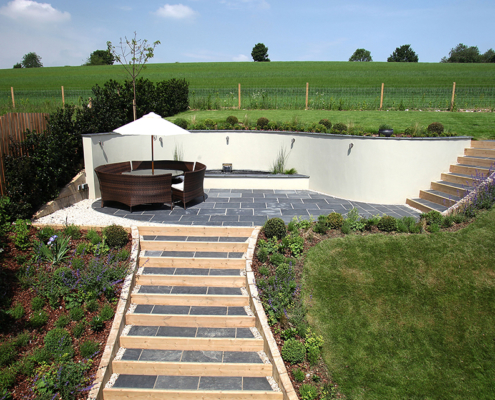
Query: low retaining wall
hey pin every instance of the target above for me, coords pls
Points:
(374, 170)
(279, 181)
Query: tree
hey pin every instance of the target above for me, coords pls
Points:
(31, 60)
(260, 53)
(18, 65)
(100, 57)
(403, 53)
(463, 54)
(133, 55)
(361, 55)
(489, 56)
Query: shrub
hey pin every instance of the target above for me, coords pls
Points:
(59, 343)
(17, 312)
(38, 319)
(93, 237)
(320, 128)
(22, 339)
(72, 231)
(346, 228)
(232, 120)
(96, 323)
(289, 333)
(37, 303)
(272, 125)
(313, 345)
(77, 263)
(79, 329)
(8, 353)
(448, 221)
(209, 123)
(200, 126)
(263, 270)
(294, 243)
(26, 366)
(82, 248)
(275, 227)
(339, 128)
(410, 222)
(283, 270)
(335, 220)
(308, 392)
(277, 259)
(7, 379)
(402, 227)
(89, 348)
(326, 123)
(262, 123)
(387, 223)
(21, 234)
(356, 223)
(64, 278)
(436, 128)
(45, 233)
(62, 321)
(123, 255)
(107, 312)
(92, 305)
(320, 227)
(299, 375)
(293, 351)
(384, 127)
(41, 355)
(115, 236)
(433, 228)
(432, 217)
(181, 122)
(262, 254)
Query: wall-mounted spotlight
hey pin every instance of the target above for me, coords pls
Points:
(100, 143)
(161, 140)
(292, 143)
(351, 145)
(227, 138)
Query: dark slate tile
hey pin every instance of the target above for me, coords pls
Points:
(228, 205)
(314, 201)
(143, 309)
(295, 212)
(237, 311)
(155, 289)
(225, 272)
(270, 212)
(206, 205)
(253, 195)
(224, 218)
(275, 196)
(243, 211)
(167, 219)
(216, 332)
(202, 356)
(240, 223)
(132, 354)
(235, 254)
(189, 290)
(199, 310)
(171, 238)
(135, 381)
(143, 218)
(210, 254)
(233, 239)
(308, 206)
(152, 253)
(254, 205)
(220, 383)
(250, 357)
(209, 223)
(254, 220)
(176, 310)
(143, 331)
(182, 212)
(254, 384)
(177, 254)
(158, 271)
(244, 333)
(161, 355)
(202, 239)
(191, 271)
(224, 291)
(195, 218)
(323, 206)
(167, 382)
(176, 331)
(149, 237)
(284, 191)
(211, 211)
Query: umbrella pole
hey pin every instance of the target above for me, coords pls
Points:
(152, 157)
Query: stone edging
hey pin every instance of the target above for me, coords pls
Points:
(270, 346)
(113, 342)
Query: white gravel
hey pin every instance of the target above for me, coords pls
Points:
(82, 214)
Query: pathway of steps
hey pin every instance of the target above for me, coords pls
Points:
(477, 163)
(190, 330)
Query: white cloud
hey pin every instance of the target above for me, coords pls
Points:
(175, 11)
(24, 10)
(238, 4)
(240, 57)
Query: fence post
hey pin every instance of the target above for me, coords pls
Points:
(63, 97)
(452, 101)
(307, 91)
(239, 90)
(381, 97)
(12, 93)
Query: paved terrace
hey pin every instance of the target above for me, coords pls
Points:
(251, 207)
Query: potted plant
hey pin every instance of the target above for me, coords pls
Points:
(385, 130)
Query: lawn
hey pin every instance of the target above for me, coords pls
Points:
(407, 316)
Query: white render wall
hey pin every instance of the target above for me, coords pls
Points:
(374, 170)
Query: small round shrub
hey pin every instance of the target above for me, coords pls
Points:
(293, 351)
(459, 218)
(308, 392)
(448, 221)
(77, 263)
(432, 217)
(59, 343)
(82, 248)
(436, 128)
(262, 123)
(76, 313)
(94, 237)
(273, 126)
(263, 270)
(283, 270)
(37, 303)
(402, 227)
(62, 321)
(210, 124)
(275, 227)
(17, 312)
(320, 128)
(115, 236)
(181, 122)
(346, 228)
(320, 227)
(433, 228)
(299, 375)
(107, 312)
(89, 348)
(277, 259)
(41, 355)
(123, 255)
(45, 233)
(38, 319)
(96, 323)
(79, 329)
(339, 128)
(262, 254)
(64, 277)
(335, 220)
(232, 120)
(326, 123)
(26, 366)
(72, 231)
(22, 339)
(92, 305)
(8, 353)
(7, 379)
(200, 126)
(387, 223)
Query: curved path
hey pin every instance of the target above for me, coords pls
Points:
(251, 207)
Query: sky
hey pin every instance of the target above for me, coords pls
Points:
(66, 32)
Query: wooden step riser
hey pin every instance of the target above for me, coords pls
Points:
(195, 231)
(191, 280)
(448, 190)
(418, 206)
(153, 394)
(443, 201)
(199, 344)
(460, 180)
(483, 144)
(190, 369)
(477, 162)
(472, 171)
(190, 300)
(480, 152)
(205, 321)
(217, 263)
(193, 246)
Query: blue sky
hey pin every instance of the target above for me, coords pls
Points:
(66, 32)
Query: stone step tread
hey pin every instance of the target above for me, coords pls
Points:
(446, 195)
(479, 157)
(456, 185)
(192, 332)
(191, 271)
(189, 310)
(211, 239)
(191, 356)
(190, 290)
(431, 205)
(193, 254)
(194, 383)
(471, 166)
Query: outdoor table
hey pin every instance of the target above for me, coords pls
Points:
(174, 172)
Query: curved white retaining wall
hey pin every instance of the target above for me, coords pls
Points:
(374, 170)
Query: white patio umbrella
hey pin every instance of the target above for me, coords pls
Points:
(154, 125)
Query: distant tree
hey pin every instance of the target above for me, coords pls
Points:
(489, 56)
(100, 57)
(18, 65)
(403, 53)
(260, 53)
(31, 60)
(463, 54)
(361, 55)
(133, 55)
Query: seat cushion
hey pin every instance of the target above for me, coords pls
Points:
(178, 186)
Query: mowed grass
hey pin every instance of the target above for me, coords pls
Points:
(480, 125)
(407, 316)
(262, 75)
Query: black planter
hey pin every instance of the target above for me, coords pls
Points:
(386, 132)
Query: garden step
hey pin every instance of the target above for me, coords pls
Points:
(449, 188)
(186, 246)
(466, 180)
(438, 197)
(477, 161)
(179, 238)
(195, 231)
(480, 152)
(191, 262)
(425, 205)
(474, 171)
(187, 254)
(231, 278)
(483, 144)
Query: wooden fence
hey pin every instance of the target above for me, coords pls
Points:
(13, 127)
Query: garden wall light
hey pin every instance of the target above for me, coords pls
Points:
(292, 143)
(100, 143)
(351, 145)
(227, 138)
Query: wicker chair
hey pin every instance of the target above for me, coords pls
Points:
(192, 186)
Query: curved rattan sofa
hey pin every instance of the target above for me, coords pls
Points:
(133, 190)
(192, 186)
